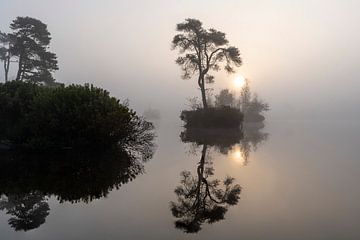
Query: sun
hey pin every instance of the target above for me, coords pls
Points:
(239, 81)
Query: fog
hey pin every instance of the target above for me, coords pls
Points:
(300, 56)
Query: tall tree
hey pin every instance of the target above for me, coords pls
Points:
(32, 39)
(245, 96)
(202, 50)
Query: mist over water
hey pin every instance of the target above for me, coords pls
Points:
(295, 176)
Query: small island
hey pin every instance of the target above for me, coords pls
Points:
(200, 52)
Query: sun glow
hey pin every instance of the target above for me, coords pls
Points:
(237, 156)
(239, 81)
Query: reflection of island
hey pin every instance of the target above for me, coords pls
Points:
(222, 139)
(200, 199)
(26, 180)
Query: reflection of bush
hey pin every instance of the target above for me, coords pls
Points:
(71, 177)
(224, 117)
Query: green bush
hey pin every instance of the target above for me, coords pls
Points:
(38, 117)
(223, 117)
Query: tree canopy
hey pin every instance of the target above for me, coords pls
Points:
(28, 45)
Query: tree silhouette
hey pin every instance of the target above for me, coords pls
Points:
(202, 50)
(29, 42)
(28, 211)
(200, 199)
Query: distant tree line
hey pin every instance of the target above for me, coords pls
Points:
(27, 45)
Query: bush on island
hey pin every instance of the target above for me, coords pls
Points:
(222, 117)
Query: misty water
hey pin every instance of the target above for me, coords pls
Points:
(298, 179)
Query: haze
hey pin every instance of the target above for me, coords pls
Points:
(301, 56)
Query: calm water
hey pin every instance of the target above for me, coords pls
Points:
(299, 180)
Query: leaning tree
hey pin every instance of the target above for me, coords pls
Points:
(202, 50)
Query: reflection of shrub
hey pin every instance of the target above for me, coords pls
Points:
(69, 175)
(224, 117)
(75, 116)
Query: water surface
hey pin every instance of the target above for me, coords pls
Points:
(298, 180)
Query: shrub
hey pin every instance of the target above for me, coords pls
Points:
(224, 117)
(75, 116)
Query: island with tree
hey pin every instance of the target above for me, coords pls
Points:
(37, 113)
(201, 52)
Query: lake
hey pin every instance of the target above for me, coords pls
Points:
(298, 180)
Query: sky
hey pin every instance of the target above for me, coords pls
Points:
(300, 56)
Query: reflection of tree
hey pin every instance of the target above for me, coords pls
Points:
(253, 137)
(28, 211)
(200, 199)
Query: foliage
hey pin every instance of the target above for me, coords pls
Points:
(257, 105)
(224, 117)
(251, 105)
(202, 50)
(75, 116)
(28, 43)
(245, 96)
(224, 99)
(194, 103)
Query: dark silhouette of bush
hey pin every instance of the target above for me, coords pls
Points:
(75, 116)
(223, 117)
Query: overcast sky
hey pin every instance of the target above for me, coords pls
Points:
(301, 56)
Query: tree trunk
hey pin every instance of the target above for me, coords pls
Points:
(203, 92)
(6, 67)
(19, 72)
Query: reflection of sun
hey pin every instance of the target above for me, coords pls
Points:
(239, 81)
(236, 156)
